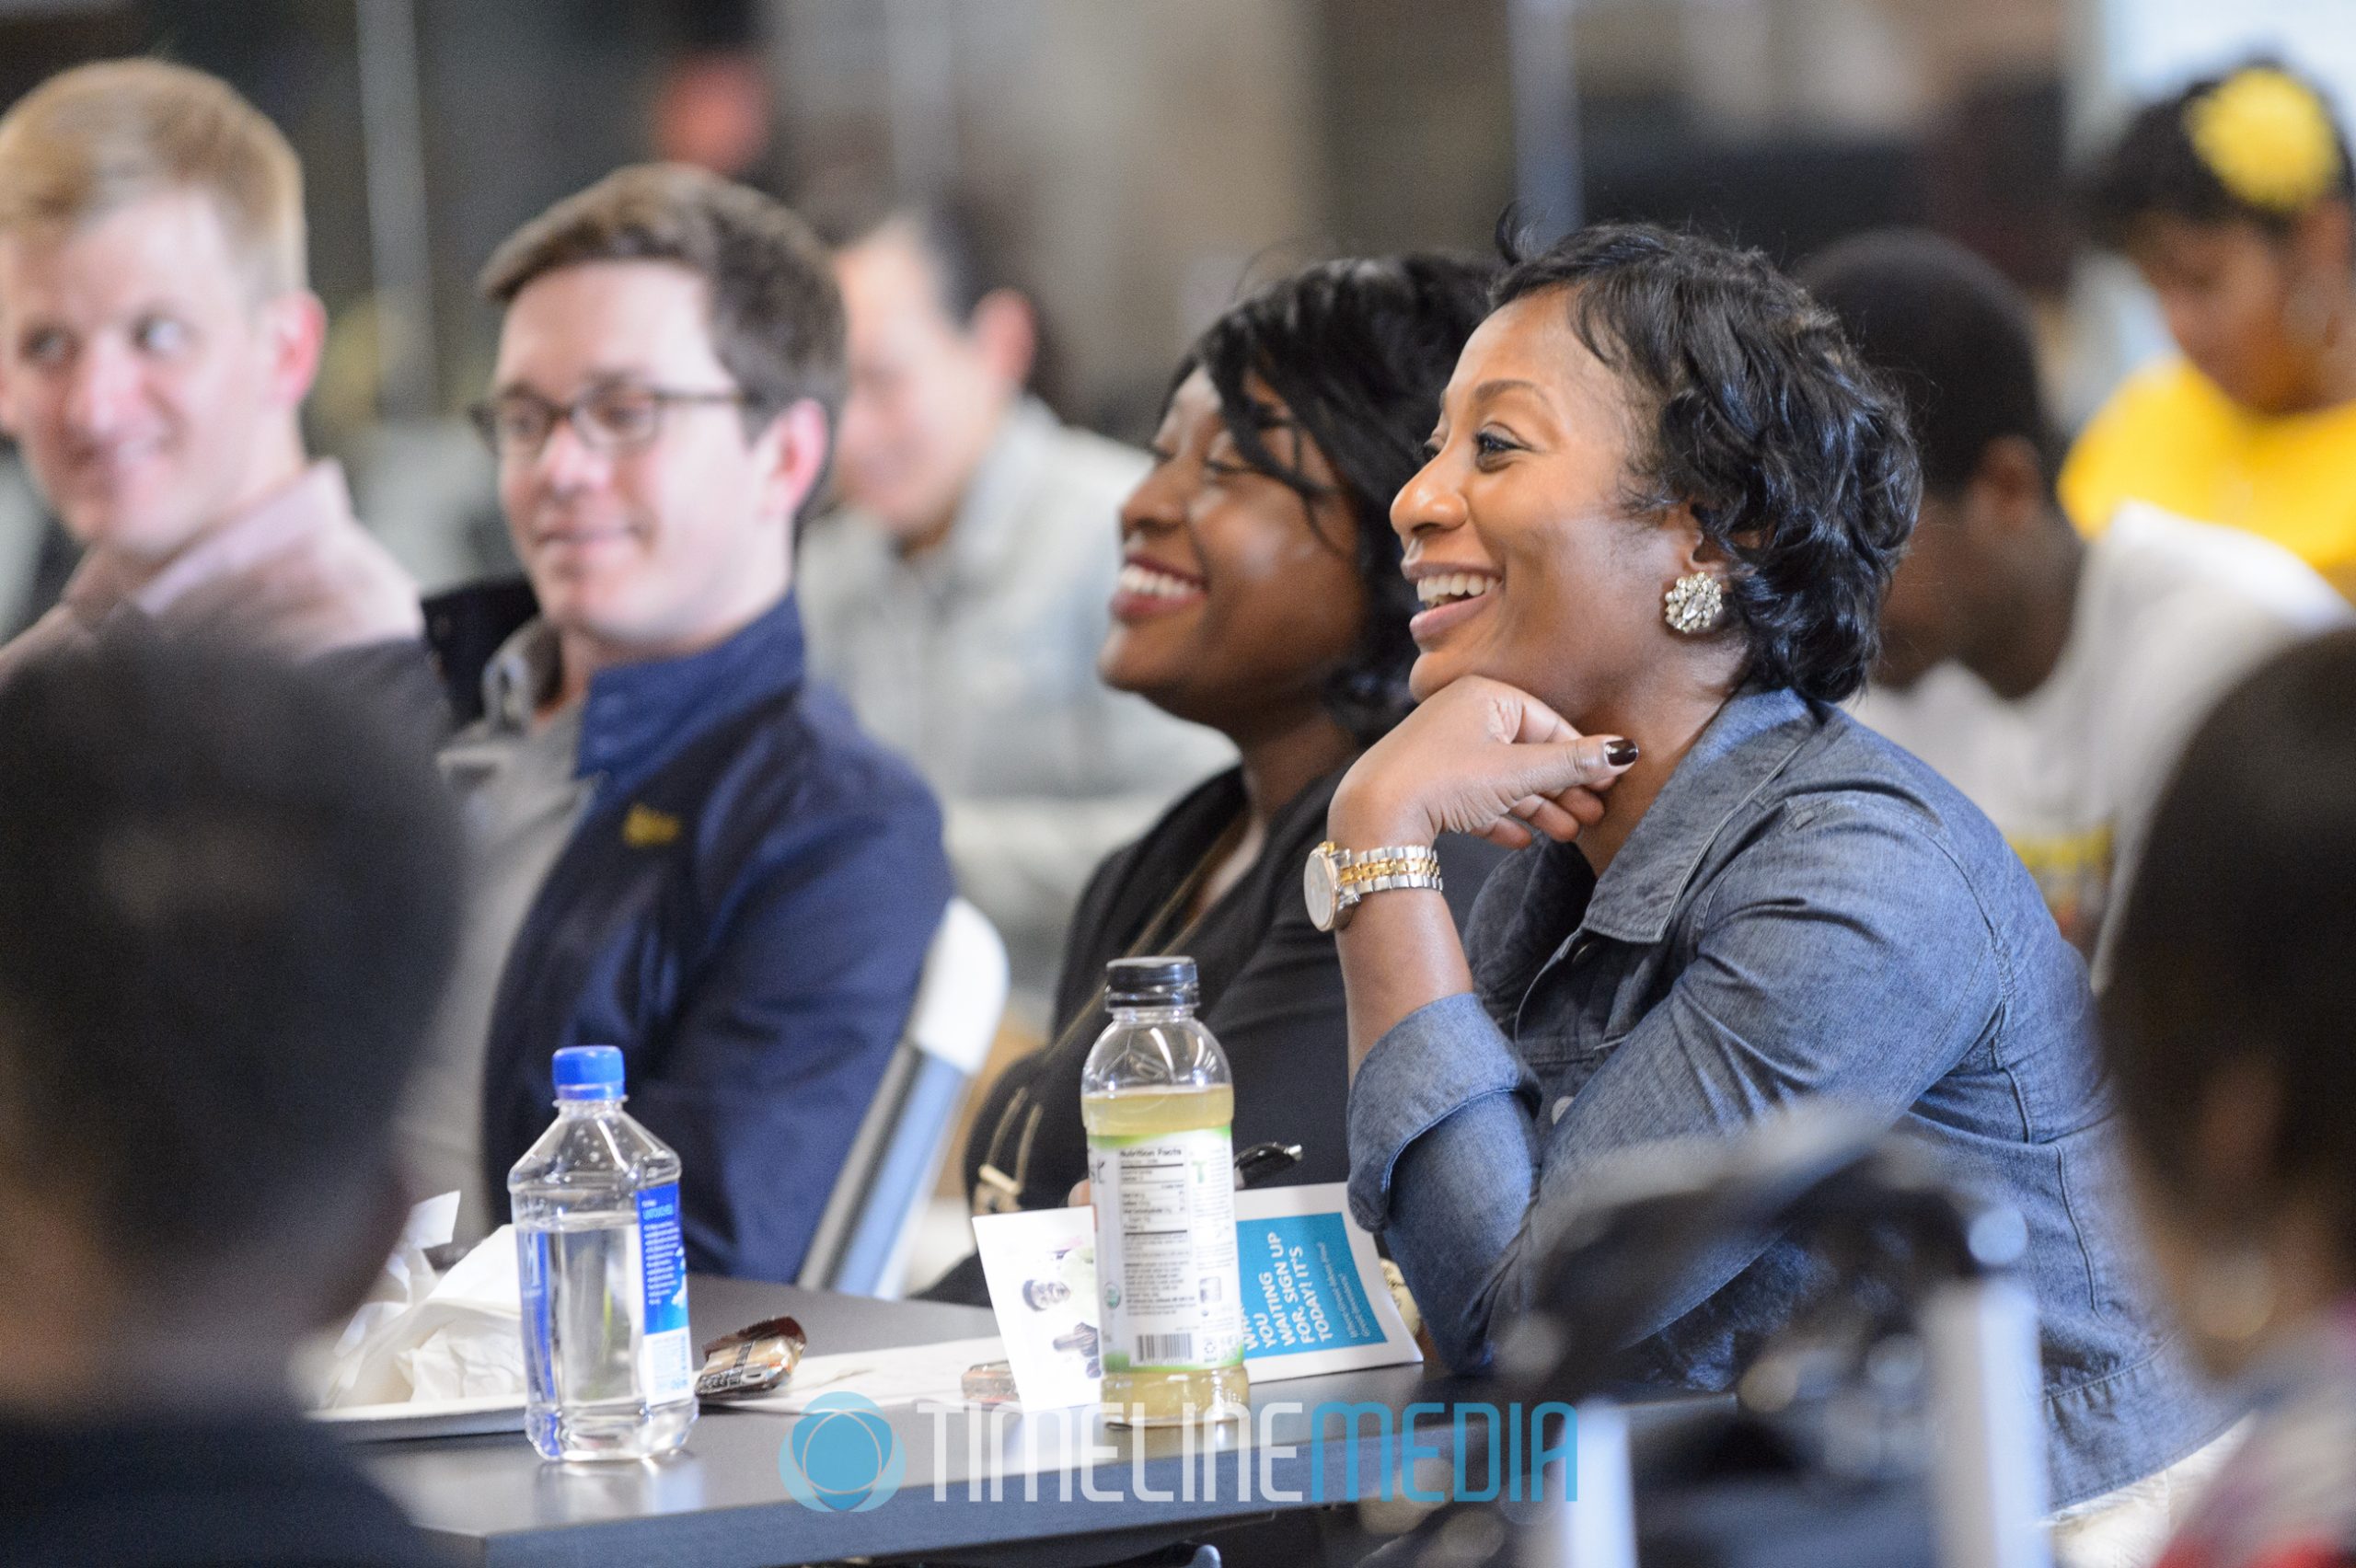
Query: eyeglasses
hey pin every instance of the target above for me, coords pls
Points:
(607, 419)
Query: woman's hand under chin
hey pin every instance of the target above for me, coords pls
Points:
(1479, 758)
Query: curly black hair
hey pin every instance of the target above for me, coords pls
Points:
(1791, 453)
(1358, 351)
(2154, 170)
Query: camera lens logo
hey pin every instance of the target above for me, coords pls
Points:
(841, 1456)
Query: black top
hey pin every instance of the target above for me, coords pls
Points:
(173, 1493)
(1271, 992)
(464, 626)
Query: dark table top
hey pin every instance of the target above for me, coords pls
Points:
(721, 1502)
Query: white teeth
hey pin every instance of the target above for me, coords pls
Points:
(1137, 579)
(1454, 585)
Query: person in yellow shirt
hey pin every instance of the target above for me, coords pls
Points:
(2232, 199)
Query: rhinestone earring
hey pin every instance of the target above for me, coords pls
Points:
(1694, 604)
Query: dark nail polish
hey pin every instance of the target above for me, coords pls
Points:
(1620, 753)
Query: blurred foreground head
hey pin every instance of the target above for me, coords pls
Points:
(228, 903)
(2229, 1018)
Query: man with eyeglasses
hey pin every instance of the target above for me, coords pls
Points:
(683, 847)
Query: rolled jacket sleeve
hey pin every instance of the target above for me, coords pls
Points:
(1805, 977)
(1435, 1062)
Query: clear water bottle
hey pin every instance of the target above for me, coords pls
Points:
(1160, 1106)
(608, 1359)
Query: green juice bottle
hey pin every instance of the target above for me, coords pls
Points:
(1159, 1105)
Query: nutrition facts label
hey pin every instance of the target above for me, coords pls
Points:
(1167, 1271)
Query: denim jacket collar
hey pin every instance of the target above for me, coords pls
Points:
(1738, 752)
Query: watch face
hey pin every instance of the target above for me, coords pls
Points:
(1317, 887)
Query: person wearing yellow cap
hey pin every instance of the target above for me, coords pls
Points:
(2232, 199)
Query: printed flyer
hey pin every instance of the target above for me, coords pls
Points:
(1314, 1300)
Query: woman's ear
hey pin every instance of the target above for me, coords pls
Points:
(1694, 549)
(1697, 550)
(1694, 603)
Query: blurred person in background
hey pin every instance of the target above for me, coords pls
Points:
(1663, 503)
(228, 897)
(2227, 1026)
(1260, 597)
(2051, 678)
(682, 846)
(2232, 199)
(157, 337)
(960, 599)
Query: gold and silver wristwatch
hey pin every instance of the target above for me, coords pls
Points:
(1335, 879)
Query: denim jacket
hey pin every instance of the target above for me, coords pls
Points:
(1805, 910)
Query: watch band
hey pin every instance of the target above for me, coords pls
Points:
(1366, 872)
(1335, 880)
(1373, 870)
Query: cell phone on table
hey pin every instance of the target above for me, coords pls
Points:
(1262, 1162)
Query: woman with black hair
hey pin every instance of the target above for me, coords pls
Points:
(2228, 1027)
(1261, 596)
(1662, 502)
(2234, 200)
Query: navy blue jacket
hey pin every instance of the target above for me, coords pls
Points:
(743, 909)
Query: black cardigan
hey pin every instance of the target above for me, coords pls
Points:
(1271, 992)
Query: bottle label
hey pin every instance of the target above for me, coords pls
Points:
(531, 1272)
(666, 1367)
(1165, 1250)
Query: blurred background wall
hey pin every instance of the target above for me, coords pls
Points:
(1148, 158)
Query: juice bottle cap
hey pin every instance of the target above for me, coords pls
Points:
(1151, 983)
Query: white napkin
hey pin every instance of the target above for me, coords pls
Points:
(426, 1339)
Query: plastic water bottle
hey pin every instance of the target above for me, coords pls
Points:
(608, 1361)
(1159, 1107)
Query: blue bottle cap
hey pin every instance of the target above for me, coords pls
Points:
(589, 1072)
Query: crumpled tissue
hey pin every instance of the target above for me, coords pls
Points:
(425, 1337)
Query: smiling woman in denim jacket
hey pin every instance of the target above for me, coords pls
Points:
(1652, 535)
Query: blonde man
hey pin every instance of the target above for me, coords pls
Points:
(157, 337)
